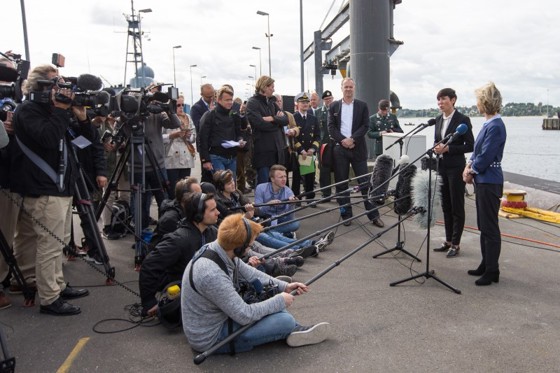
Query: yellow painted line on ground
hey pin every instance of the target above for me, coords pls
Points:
(65, 367)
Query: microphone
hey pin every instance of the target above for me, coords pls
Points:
(405, 159)
(379, 178)
(4, 139)
(461, 130)
(420, 191)
(430, 123)
(403, 194)
(88, 82)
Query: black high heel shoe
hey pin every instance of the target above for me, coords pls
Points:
(488, 278)
(477, 272)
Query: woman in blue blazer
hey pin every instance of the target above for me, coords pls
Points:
(485, 171)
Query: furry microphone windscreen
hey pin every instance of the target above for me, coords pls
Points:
(420, 192)
(379, 178)
(403, 195)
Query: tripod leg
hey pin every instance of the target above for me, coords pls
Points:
(28, 292)
(398, 246)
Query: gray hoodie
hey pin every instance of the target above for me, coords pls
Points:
(205, 312)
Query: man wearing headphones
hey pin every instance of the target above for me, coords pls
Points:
(167, 262)
(212, 307)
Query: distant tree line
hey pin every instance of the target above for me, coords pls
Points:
(511, 109)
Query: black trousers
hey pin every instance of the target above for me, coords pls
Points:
(308, 181)
(487, 207)
(343, 159)
(453, 203)
(325, 178)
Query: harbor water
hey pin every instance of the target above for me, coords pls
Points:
(529, 151)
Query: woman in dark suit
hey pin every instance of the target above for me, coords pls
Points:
(451, 162)
(484, 169)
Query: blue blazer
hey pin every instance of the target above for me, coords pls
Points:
(488, 152)
(360, 126)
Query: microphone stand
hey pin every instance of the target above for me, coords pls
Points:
(428, 274)
(400, 244)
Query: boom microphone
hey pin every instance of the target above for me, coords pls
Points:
(461, 130)
(420, 195)
(403, 195)
(8, 74)
(88, 82)
(379, 178)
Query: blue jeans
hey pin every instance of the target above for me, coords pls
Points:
(288, 228)
(263, 175)
(274, 327)
(277, 240)
(223, 163)
(151, 182)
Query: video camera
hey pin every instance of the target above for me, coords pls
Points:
(13, 93)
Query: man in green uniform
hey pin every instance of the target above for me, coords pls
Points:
(382, 122)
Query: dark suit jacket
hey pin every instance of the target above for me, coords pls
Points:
(455, 157)
(360, 123)
(197, 110)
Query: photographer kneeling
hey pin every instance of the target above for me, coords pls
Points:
(213, 307)
(44, 173)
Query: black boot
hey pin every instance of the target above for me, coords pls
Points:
(479, 271)
(488, 278)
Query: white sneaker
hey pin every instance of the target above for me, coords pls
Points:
(308, 335)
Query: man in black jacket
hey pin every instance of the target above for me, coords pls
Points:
(42, 125)
(206, 103)
(217, 127)
(348, 123)
(167, 262)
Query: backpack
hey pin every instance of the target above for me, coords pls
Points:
(120, 217)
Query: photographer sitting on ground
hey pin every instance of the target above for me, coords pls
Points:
(171, 211)
(168, 260)
(211, 305)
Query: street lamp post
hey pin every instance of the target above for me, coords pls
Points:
(255, 66)
(174, 76)
(268, 35)
(260, 59)
(192, 95)
(202, 77)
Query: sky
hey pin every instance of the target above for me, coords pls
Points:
(447, 43)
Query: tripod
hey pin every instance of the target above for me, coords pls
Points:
(85, 211)
(428, 274)
(399, 246)
(134, 140)
(28, 292)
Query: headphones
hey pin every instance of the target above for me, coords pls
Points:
(220, 179)
(199, 215)
(239, 251)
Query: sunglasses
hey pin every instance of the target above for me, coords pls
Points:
(180, 105)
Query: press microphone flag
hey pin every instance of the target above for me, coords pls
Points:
(461, 130)
(379, 181)
(420, 194)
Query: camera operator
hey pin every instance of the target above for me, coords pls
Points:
(153, 127)
(41, 126)
(8, 200)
